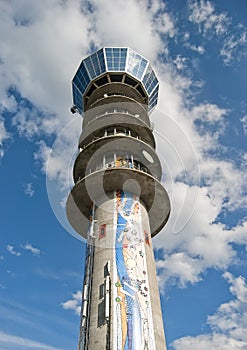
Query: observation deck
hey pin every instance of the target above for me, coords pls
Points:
(116, 68)
(115, 89)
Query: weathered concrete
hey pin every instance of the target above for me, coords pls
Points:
(102, 183)
(105, 255)
(117, 202)
(91, 157)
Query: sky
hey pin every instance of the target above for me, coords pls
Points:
(198, 50)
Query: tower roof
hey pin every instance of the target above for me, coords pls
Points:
(115, 60)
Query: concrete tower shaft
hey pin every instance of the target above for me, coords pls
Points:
(117, 202)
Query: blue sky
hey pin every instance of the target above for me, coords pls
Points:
(199, 51)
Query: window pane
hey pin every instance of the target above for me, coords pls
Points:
(136, 64)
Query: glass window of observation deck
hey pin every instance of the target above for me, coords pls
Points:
(95, 64)
(136, 64)
(150, 80)
(116, 58)
(81, 79)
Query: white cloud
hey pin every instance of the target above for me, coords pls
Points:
(11, 342)
(226, 183)
(212, 124)
(233, 313)
(29, 190)
(57, 161)
(228, 323)
(164, 24)
(44, 82)
(30, 121)
(38, 71)
(193, 229)
(12, 251)
(74, 303)
(141, 27)
(26, 122)
(203, 14)
(186, 36)
(180, 62)
(208, 112)
(199, 49)
(8, 103)
(211, 23)
(33, 250)
(1, 153)
(232, 47)
(244, 123)
(208, 341)
(43, 154)
(4, 135)
(178, 268)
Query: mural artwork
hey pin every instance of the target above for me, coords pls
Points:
(131, 293)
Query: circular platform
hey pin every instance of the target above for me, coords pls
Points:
(90, 157)
(102, 184)
(128, 121)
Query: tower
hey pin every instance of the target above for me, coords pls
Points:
(118, 202)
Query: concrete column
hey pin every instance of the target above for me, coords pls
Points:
(125, 308)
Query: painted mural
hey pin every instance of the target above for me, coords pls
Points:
(132, 300)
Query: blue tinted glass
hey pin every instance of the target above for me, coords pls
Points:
(150, 80)
(77, 98)
(95, 64)
(136, 64)
(116, 58)
(153, 98)
(81, 79)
